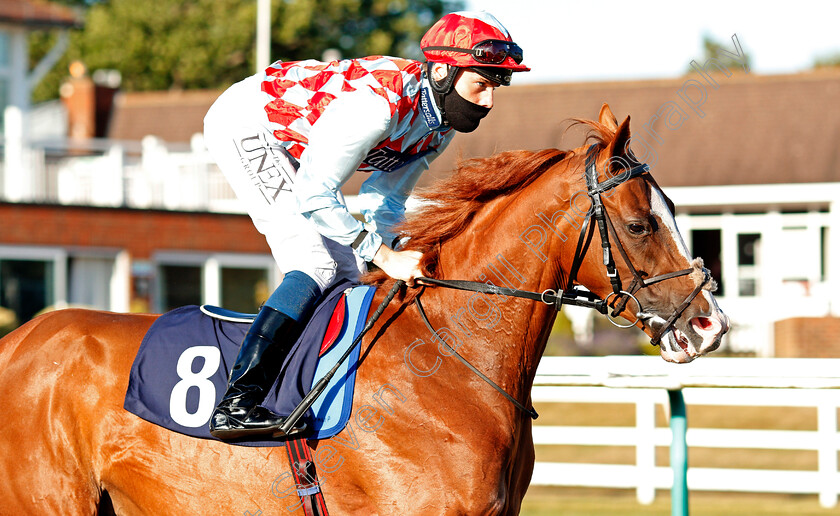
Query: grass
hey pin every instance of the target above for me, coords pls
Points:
(571, 501)
(545, 501)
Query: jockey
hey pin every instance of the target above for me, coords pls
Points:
(288, 138)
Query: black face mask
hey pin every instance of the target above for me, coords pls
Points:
(462, 115)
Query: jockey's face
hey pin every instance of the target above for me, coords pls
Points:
(475, 88)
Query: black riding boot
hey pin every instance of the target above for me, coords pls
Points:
(260, 358)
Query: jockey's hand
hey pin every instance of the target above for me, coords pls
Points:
(401, 265)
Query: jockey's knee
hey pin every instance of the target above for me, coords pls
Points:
(296, 295)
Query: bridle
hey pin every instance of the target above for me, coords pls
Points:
(576, 295)
(606, 229)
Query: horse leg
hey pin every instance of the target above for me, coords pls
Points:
(522, 468)
(32, 486)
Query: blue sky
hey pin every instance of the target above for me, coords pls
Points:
(583, 40)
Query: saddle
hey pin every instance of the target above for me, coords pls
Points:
(181, 369)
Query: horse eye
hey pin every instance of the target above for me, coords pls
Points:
(636, 228)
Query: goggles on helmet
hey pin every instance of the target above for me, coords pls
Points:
(489, 51)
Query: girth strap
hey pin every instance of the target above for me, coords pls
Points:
(530, 411)
(306, 478)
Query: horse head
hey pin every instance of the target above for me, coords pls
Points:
(656, 283)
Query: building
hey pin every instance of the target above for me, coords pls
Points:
(102, 222)
(141, 219)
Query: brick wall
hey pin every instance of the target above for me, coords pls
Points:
(140, 232)
(808, 337)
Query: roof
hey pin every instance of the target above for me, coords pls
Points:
(753, 130)
(173, 116)
(37, 13)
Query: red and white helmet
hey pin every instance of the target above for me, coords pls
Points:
(473, 39)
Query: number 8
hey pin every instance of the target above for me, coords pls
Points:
(206, 389)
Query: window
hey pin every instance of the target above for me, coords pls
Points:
(705, 243)
(26, 287)
(4, 75)
(142, 286)
(823, 252)
(244, 290)
(4, 101)
(4, 50)
(179, 285)
(239, 282)
(802, 264)
(749, 246)
(90, 281)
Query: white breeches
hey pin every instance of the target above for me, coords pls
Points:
(261, 173)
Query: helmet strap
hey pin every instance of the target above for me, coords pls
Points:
(442, 88)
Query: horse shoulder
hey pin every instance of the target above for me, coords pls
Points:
(62, 379)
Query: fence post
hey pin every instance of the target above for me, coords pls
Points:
(679, 454)
(827, 454)
(645, 449)
(116, 153)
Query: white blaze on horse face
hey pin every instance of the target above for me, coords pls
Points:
(659, 207)
(709, 328)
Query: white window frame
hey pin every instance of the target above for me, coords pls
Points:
(56, 255)
(120, 282)
(211, 265)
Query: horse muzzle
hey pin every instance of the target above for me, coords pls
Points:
(700, 335)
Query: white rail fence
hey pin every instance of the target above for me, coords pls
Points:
(644, 381)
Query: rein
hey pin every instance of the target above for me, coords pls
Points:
(530, 411)
(575, 295)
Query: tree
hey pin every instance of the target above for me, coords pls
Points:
(720, 51)
(828, 61)
(188, 44)
(305, 28)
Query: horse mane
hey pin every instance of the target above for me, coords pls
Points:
(448, 206)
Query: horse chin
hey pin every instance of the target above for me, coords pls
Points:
(676, 347)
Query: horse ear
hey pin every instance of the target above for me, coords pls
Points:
(606, 117)
(618, 146)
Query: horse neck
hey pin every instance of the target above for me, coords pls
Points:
(492, 250)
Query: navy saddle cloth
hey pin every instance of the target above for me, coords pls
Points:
(181, 369)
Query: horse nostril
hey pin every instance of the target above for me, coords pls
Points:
(707, 326)
(704, 323)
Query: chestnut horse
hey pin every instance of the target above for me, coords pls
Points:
(427, 437)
